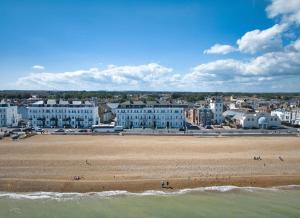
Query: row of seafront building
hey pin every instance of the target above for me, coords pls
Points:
(60, 113)
(288, 116)
(237, 113)
(8, 114)
(150, 114)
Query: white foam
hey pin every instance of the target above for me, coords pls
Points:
(104, 194)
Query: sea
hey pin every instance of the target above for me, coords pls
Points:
(215, 201)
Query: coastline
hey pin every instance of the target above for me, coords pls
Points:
(139, 163)
(138, 186)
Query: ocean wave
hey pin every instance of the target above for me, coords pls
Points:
(104, 194)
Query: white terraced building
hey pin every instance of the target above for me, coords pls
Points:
(292, 117)
(60, 114)
(9, 116)
(151, 114)
(283, 115)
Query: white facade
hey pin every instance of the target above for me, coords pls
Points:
(150, 115)
(9, 116)
(258, 120)
(283, 115)
(295, 117)
(292, 117)
(216, 105)
(75, 114)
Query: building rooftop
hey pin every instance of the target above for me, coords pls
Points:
(112, 105)
(139, 104)
(61, 102)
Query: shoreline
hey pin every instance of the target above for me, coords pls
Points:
(139, 163)
(139, 186)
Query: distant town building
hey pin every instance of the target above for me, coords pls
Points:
(295, 119)
(216, 106)
(283, 115)
(205, 116)
(112, 106)
(191, 116)
(9, 116)
(151, 114)
(105, 113)
(288, 116)
(70, 114)
(260, 120)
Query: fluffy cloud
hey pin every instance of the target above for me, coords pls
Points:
(274, 68)
(38, 67)
(219, 49)
(269, 71)
(289, 10)
(269, 39)
(254, 41)
(296, 45)
(267, 68)
(112, 78)
(262, 40)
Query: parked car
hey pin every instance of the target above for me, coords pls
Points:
(37, 129)
(208, 127)
(70, 130)
(182, 129)
(194, 128)
(14, 131)
(83, 130)
(59, 130)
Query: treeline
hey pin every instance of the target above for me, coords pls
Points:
(121, 96)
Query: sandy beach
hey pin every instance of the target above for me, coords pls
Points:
(138, 163)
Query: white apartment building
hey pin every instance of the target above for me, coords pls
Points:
(283, 115)
(292, 116)
(295, 117)
(69, 114)
(216, 106)
(9, 116)
(260, 120)
(151, 114)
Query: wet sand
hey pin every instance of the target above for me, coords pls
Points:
(138, 163)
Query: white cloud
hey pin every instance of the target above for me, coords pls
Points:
(269, 39)
(267, 68)
(296, 45)
(268, 71)
(219, 49)
(38, 67)
(289, 10)
(276, 68)
(254, 41)
(112, 78)
(262, 40)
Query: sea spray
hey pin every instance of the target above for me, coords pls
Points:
(115, 193)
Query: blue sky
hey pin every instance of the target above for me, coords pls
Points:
(203, 45)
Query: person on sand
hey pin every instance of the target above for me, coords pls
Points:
(77, 178)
